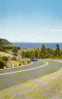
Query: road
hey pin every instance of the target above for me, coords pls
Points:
(23, 74)
(32, 64)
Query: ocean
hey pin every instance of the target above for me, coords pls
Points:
(38, 45)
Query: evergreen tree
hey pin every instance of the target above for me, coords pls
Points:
(57, 50)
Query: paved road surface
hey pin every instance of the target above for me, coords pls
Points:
(7, 80)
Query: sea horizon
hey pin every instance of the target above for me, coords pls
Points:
(37, 45)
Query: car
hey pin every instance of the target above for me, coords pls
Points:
(34, 59)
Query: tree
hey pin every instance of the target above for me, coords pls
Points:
(23, 54)
(43, 52)
(14, 50)
(36, 53)
(57, 50)
(5, 58)
(26, 54)
(2, 64)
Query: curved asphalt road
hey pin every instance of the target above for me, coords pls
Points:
(37, 69)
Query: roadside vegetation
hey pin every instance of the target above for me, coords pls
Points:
(43, 52)
(44, 87)
(12, 56)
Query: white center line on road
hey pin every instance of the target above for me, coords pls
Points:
(13, 72)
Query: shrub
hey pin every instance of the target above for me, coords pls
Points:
(2, 64)
(5, 58)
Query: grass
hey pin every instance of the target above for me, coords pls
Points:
(4, 54)
(46, 87)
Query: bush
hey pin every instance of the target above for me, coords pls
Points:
(2, 64)
(15, 51)
(5, 58)
(13, 58)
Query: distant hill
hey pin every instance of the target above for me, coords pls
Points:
(4, 42)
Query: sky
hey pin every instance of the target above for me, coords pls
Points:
(31, 20)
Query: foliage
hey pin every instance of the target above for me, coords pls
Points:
(14, 50)
(57, 50)
(3, 61)
(43, 52)
(4, 58)
(2, 64)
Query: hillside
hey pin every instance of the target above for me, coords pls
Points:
(4, 42)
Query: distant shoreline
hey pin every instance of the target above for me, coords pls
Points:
(37, 45)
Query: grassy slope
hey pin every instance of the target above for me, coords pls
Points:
(4, 54)
(47, 87)
(4, 42)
